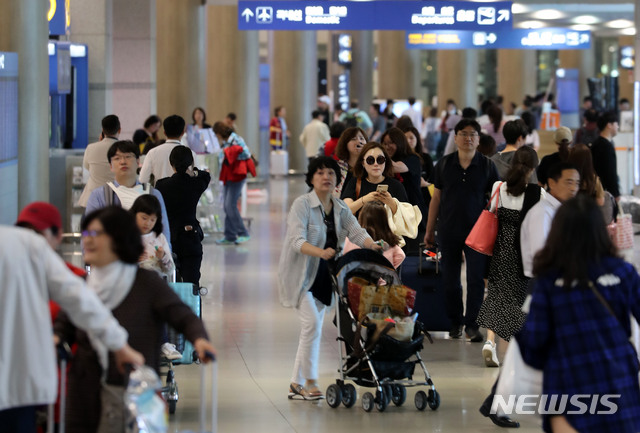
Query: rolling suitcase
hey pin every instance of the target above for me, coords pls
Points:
(190, 295)
(424, 277)
(279, 163)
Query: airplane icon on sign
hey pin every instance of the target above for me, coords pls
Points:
(265, 15)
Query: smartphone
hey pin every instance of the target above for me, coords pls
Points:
(382, 188)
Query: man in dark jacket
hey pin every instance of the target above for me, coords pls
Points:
(604, 153)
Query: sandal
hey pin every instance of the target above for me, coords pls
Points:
(297, 391)
(314, 392)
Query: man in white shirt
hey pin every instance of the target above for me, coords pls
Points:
(563, 184)
(32, 274)
(414, 115)
(156, 163)
(95, 158)
(314, 135)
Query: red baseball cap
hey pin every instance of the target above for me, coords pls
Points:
(40, 215)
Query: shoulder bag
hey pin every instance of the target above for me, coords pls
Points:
(483, 235)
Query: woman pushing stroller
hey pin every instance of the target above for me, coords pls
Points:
(317, 226)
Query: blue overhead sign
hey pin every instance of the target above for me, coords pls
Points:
(373, 15)
(521, 39)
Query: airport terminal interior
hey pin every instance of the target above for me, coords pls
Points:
(65, 66)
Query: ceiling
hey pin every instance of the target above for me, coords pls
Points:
(605, 19)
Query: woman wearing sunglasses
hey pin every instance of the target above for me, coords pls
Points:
(407, 165)
(373, 180)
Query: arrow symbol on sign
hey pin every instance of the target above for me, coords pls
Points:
(491, 37)
(247, 14)
(503, 15)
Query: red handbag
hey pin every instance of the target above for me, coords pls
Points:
(483, 235)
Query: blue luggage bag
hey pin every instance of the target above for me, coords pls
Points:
(190, 295)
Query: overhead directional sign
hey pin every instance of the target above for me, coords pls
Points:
(373, 15)
(521, 39)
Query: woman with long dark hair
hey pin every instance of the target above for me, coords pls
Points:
(346, 152)
(494, 127)
(580, 156)
(578, 327)
(407, 166)
(501, 312)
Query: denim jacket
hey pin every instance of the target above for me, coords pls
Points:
(305, 223)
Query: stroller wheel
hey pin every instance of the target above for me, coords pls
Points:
(381, 400)
(349, 395)
(388, 392)
(334, 395)
(420, 400)
(398, 394)
(172, 406)
(367, 401)
(434, 399)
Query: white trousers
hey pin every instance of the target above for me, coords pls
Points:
(311, 315)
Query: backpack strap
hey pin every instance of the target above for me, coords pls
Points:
(109, 191)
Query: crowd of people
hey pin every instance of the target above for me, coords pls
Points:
(139, 230)
(493, 155)
(373, 184)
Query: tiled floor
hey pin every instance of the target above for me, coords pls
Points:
(257, 339)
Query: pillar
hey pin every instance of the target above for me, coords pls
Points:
(516, 71)
(399, 69)
(181, 64)
(134, 63)
(121, 36)
(232, 80)
(293, 59)
(24, 29)
(362, 68)
(457, 78)
(92, 24)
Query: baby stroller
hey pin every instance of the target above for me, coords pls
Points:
(371, 358)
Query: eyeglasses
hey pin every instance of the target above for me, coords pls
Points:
(127, 157)
(370, 160)
(464, 134)
(91, 233)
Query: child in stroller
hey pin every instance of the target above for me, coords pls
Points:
(371, 356)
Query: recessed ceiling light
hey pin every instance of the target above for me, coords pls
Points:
(547, 14)
(532, 24)
(519, 8)
(631, 31)
(586, 19)
(619, 24)
(581, 27)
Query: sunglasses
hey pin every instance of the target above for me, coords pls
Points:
(370, 160)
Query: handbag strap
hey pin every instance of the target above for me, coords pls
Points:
(602, 300)
(358, 186)
(497, 198)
